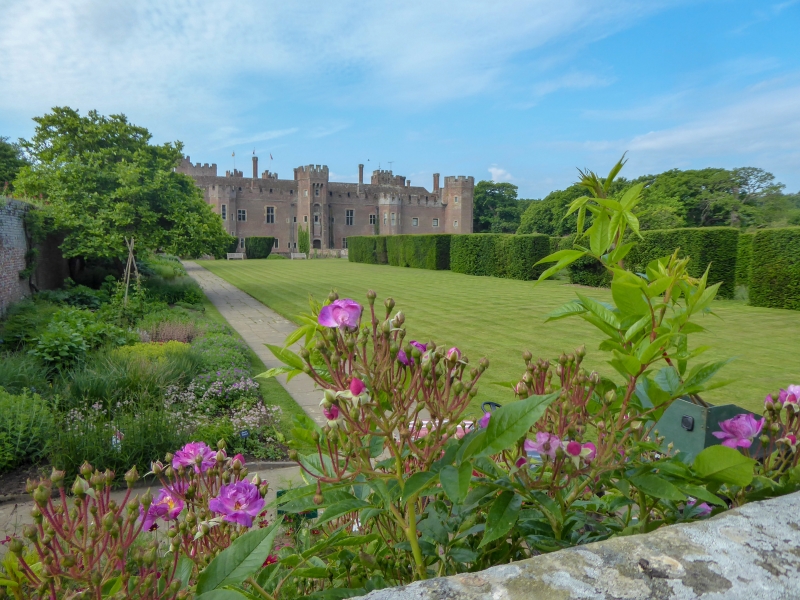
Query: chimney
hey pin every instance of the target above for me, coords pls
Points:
(408, 183)
(360, 174)
(255, 167)
(435, 182)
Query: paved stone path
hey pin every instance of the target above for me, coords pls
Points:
(258, 325)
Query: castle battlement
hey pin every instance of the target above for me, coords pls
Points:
(311, 171)
(462, 179)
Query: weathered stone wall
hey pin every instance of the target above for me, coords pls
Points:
(751, 553)
(13, 246)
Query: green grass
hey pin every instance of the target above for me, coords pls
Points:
(272, 391)
(500, 318)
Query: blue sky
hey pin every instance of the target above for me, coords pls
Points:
(515, 91)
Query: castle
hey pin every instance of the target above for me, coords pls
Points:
(331, 211)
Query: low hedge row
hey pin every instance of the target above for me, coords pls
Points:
(744, 257)
(499, 255)
(419, 251)
(775, 268)
(584, 271)
(258, 247)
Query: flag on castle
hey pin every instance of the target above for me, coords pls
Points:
(270, 155)
(233, 153)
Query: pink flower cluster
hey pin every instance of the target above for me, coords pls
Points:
(344, 314)
(739, 431)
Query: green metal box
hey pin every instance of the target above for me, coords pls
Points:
(690, 425)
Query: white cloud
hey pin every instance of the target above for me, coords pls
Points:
(258, 137)
(499, 174)
(325, 131)
(197, 58)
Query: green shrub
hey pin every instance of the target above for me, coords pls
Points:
(499, 255)
(369, 249)
(775, 268)
(78, 296)
(554, 244)
(219, 352)
(258, 247)
(303, 239)
(276, 257)
(25, 321)
(584, 271)
(179, 289)
(20, 371)
(116, 442)
(419, 251)
(715, 246)
(151, 350)
(744, 256)
(71, 333)
(26, 427)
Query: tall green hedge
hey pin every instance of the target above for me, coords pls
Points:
(744, 257)
(717, 246)
(584, 271)
(425, 251)
(370, 249)
(258, 247)
(775, 268)
(499, 255)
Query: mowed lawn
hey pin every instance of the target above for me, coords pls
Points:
(500, 318)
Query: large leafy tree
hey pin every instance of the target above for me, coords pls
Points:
(11, 161)
(101, 180)
(496, 208)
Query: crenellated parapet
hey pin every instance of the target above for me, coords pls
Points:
(311, 172)
(196, 170)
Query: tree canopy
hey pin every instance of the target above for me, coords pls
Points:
(11, 161)
(100, 180)
(496, 208)
(744, 197)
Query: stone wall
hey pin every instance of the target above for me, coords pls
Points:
(748, 553)
(51, 267)
(13, 246)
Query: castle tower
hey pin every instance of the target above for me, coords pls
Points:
(457, 196)
(312, 203)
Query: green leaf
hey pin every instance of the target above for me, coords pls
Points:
(462, 555)
(668, 380)
(455, 481)
(702, 494)
(561, 255)
(183, 572)
(658, 487)
(702, 373)
(416, 483)
(630, 364)
(238, 561)
(629, 298)
(634, 329)
(600, 311)
(226, 594)
(342, 508)
(724, 465)
(286, 356)
(502, 516)
(567, 310)
(631, 196)
(274, 372)
(620, 252)
(510, 422)
(599, 234)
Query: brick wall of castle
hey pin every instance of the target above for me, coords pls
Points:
(332, 211)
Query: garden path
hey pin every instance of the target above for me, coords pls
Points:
(258, 325)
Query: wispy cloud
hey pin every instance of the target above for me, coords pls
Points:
(499, 175)
(258, 137)
(325, 131)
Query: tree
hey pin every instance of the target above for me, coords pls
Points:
(495, 208)
(101, 180)
(11, 161)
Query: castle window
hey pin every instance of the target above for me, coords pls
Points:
(275, 244)
(455, 199)
(344, 243)
(349, 216)
(331, 194)
(373, 219)
(270, 190)
(385, 216)
(316, 218)
(455, 223)
(305, 193)
(331, 218)
(316, 191)
(415, 222)
(240, 189)
(241, 215)
(223, 212)
(436, 222)
(394, 219)
(241, 243)
(348, 194)
(291, 192)
(294, 219)
(270, 214)
(305, 218)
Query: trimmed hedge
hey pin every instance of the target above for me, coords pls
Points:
(424, 251)
(744, 257)
(499, 255)
(775, 268)
(369, 249)
(258, 247)
(717, 246)
(555, 242)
